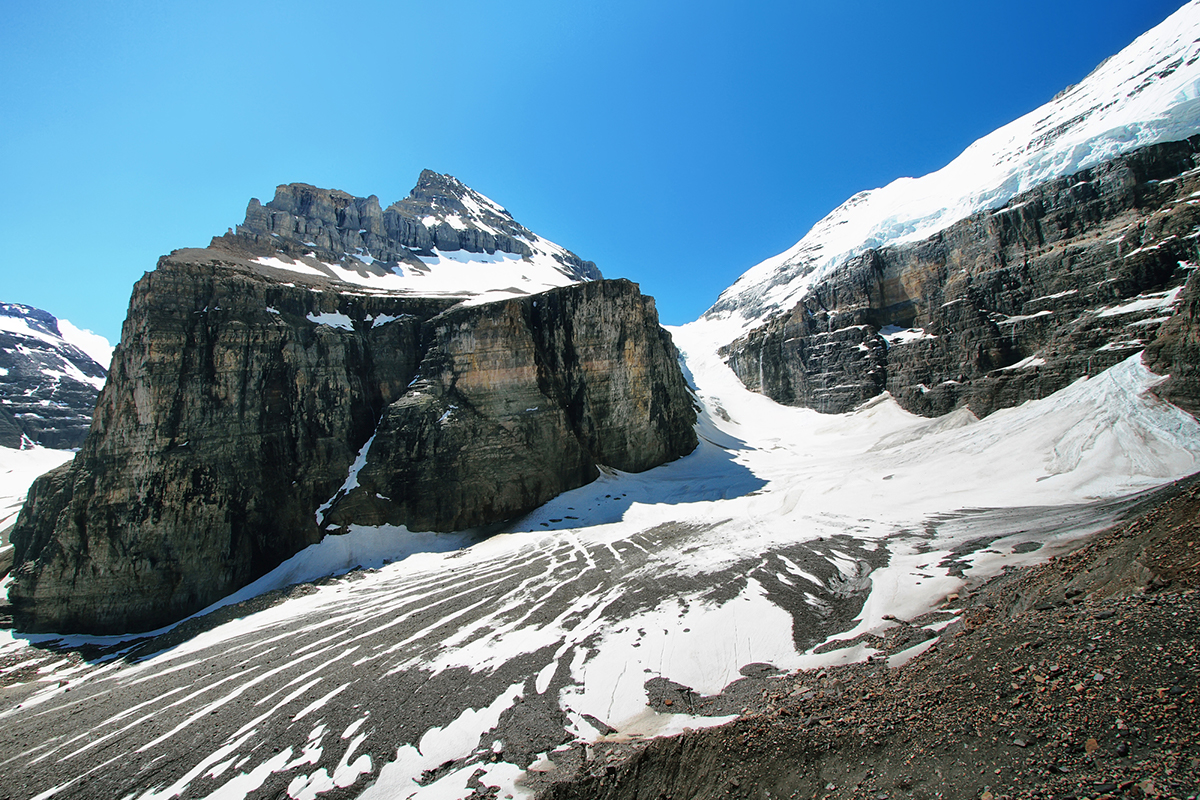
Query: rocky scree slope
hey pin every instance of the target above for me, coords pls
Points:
(1074, 678)
(255, 404)
(48, 386)
(1005, 306)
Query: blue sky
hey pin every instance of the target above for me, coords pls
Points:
(673, 143)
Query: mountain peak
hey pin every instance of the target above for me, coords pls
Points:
(438, 189)
(444, 239)
(1148, 93)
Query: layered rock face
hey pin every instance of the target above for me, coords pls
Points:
(520, 400)
(1006, 306)
(228, 418)
(253, 408)
(48, 386)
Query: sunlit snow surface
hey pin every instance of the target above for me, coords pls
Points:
(18, 468)
(1147, 93)
(474, 277)
(487, 658)
(95, 345)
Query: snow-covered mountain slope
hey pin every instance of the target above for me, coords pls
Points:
(50, 375)
(443, 240)
(434, 672)
(1147, 93)
(18, 468)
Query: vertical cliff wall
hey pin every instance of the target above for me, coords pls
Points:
(238, 403)
(1003, 307)
(520, 400)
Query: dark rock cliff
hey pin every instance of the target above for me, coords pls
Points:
(228, 435)
(48, 387)
(520, 400)
(1006, 306)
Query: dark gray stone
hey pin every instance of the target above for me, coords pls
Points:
(335, 226)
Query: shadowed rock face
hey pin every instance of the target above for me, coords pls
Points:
(237, 404)
(1005, 306)
(1175, 351)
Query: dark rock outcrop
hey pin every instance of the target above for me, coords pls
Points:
(1175, 351)
(250, 410)
(520, 400)
(1006, 306)
(48, 386)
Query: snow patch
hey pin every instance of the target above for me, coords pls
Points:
(1152, 301)
(332, 319)
(93, 344)
(1029, 362)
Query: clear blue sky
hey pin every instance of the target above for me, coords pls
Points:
(673, 143)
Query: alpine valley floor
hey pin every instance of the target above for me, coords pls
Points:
(437, 666)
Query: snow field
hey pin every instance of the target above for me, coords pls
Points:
(686, 572)
(18, 468)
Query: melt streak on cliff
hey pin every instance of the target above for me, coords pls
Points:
(1147, 93)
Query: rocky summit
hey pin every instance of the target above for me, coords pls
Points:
(260, 400)
(48, 385)
(440, 215)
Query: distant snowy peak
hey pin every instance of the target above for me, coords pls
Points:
(444, 239)
(50, 376)
(1146, 94)
(25, 325)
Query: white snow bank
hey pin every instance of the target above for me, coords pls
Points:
(18, 468)
(475, 277)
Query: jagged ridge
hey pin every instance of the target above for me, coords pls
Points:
(440, 216)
